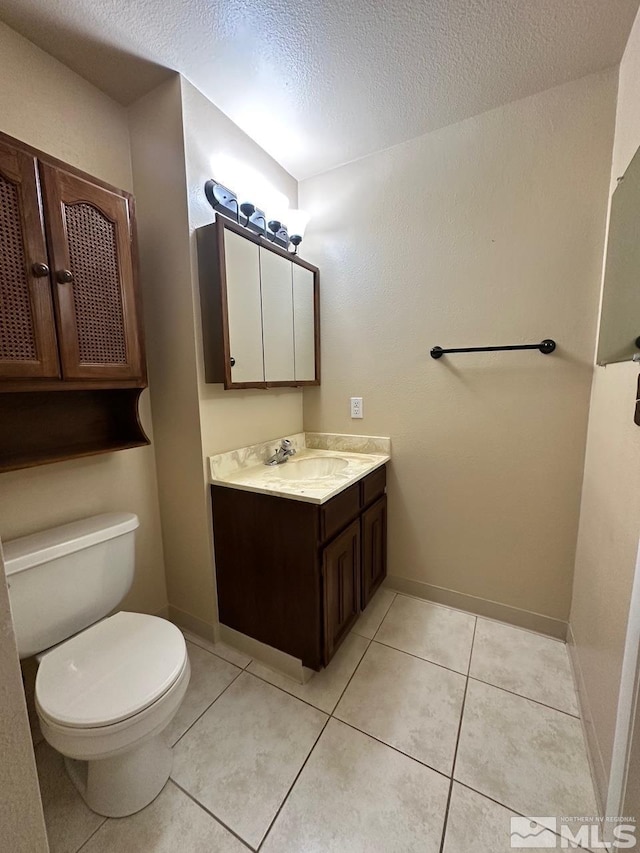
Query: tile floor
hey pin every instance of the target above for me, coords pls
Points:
(427, 732)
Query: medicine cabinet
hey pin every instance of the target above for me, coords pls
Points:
(260, 310)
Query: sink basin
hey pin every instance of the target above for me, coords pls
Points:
(310, 469)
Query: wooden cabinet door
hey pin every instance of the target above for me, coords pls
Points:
(305, 324)
(341, 587)
(241, 265)
(90, 242)
(277, 316)
(374, 548)
(28, 345)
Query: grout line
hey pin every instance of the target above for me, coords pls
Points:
(291, 787)
(455, 752)
(384, 616)
(211, 814)
(306, 701)
(528, 698)
(286, 692)
(87, 840)
(329, 717)
(234, 679)
(425, 660)
(394, 748)
(473, 642)
(508, 808)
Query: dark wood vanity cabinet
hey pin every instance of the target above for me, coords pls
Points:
(71, 347)
(341, 579)
(296, 575)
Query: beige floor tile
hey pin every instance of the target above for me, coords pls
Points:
(356, 795)
(477, 824)
(429, 631)
(171, 823)
(69, 821)
(209, 677)
(325, 687)
(242, 756)
(528, 664)
(408, 703)
(223, 651)
(530, 758)
(371, 618)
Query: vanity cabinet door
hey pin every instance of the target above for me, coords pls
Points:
(341, 587)
(90, 241)
(374, 548)
(277, 316)
(304, 324)
(28, 345)
(243, 308)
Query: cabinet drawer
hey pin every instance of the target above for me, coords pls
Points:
(339, 511)
(374, 485)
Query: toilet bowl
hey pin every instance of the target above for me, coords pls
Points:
(104, 693)
(104, 699)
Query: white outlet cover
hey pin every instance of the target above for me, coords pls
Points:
(356, 407)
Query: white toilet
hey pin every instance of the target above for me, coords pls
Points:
(106, 688)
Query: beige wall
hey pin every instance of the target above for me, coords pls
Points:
(610, 512)
(157, 148)
(175, 135)
(486, 232)
(230, 419)
(46, 105)
(21, 819)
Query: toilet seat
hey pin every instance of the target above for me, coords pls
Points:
(109, 673)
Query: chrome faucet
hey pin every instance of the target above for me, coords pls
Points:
(282, 453)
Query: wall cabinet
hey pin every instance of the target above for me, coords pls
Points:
(260, 310)
(296, 575)
(69, 312)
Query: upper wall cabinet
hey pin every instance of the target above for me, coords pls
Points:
(71, 346)
(68, 307)
(89, 238)
(260, 310)
(28, 344)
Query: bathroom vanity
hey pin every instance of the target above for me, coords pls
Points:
(300, 547)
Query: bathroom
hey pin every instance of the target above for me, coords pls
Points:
(457, 162)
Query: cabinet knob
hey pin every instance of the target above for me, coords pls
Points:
(64, 276)
(232, 361)
(39, 270)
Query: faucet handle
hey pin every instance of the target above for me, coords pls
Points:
(286, 444)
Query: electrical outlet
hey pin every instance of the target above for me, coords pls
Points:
(356, 407)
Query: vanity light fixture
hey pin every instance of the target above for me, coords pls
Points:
(225, 201)
(298, 220)
(278, 233)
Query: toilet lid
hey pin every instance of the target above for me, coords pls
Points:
(111, 671)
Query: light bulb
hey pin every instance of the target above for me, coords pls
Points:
(297, 221)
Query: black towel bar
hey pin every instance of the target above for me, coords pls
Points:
(545, 347)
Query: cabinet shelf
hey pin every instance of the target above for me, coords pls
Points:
(39, 427)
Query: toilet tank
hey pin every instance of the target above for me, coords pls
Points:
(66, 578)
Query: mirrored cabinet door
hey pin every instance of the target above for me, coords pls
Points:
(304, 324)
(244, 308)
(277, 316)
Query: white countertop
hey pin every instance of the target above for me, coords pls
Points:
(245, 469)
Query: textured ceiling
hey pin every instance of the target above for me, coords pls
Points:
(321, 82)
